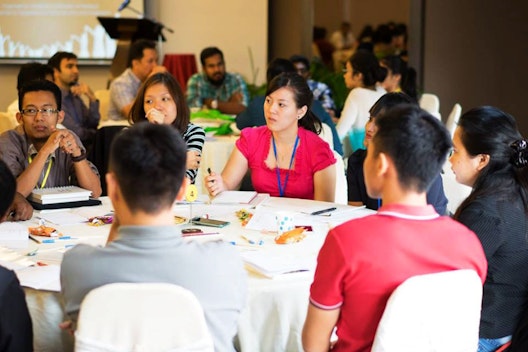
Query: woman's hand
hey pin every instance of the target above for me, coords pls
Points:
(155, 116)
(193, 160)
(214, 184)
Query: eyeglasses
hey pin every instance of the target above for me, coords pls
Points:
(33, 112)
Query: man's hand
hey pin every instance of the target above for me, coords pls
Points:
(68, 326)
(19, 210)
(83, 89)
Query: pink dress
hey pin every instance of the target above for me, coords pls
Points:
(313, 154)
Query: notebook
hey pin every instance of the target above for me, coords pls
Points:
(65, 205)
(55, 195)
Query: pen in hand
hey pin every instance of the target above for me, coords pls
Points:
(209, 172)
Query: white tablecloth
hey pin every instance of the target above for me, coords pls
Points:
(276, 308)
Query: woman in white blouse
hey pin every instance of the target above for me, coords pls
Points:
(363, 72)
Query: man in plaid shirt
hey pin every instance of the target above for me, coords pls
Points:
(320, 90)
(214, 87)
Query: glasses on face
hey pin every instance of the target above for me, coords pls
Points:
(31, 112)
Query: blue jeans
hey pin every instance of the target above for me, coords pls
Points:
(490, 345)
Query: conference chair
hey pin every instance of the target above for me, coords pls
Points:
(341, 194)
(141, 317)
(6, 122)
(452, 119)
(103, 95)
(431, 104)
(434, 312)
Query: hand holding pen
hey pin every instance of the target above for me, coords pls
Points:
(214, 183)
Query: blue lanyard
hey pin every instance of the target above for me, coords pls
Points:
(283, 189)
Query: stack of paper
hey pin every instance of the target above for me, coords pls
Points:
(56, 195)
(13, 235)
(272, 265)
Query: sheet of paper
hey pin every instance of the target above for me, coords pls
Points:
(13, 235)
(273, 264)
(40, 277)
(63, 218)
(13, 260)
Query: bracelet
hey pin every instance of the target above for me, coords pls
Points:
(81, 157)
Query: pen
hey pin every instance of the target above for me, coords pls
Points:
(209, 172)
(319, 212)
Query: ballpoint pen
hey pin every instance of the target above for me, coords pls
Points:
(323, 211)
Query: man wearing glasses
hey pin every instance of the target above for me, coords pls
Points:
(39, 154)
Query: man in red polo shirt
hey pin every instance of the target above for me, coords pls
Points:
(364, 260)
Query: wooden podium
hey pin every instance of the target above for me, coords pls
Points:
(126, 31)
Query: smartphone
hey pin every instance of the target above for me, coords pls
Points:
(209, 222)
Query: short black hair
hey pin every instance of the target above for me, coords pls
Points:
(210, 51)
(149, 162)
(389, 100)
(416, 142)
(278, 66)
(136, 50)
(55, 60)
(302, 59)
(32, 71)
(7, 188)
(42, 85)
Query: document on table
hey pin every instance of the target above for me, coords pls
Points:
(13, 235)
(63, 218)
(40, 277)
(272, 265)
(13, 260)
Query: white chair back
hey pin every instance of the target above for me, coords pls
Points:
(103, 95)
(431, 104)
(435, 312)
(452, 119)
(326, 135)
(341, 185)
(141, 317)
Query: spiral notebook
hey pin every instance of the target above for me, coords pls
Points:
(54, 195)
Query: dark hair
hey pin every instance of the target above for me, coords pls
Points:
(383, 34)
(302, 59)
(389, 100)
(55, 60)
(138, 113)
(366, 63)
(278, 66)
(32, 71)
(7, 188)
(302, 95)
(210, 51)
(408, 74)
(42, 85)
(366, 34)
(148, 161)
(488, 130)
(416, 142)
(136, 50)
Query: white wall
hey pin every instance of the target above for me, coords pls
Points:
(233, 26)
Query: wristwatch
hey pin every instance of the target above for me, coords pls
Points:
(214, 104)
